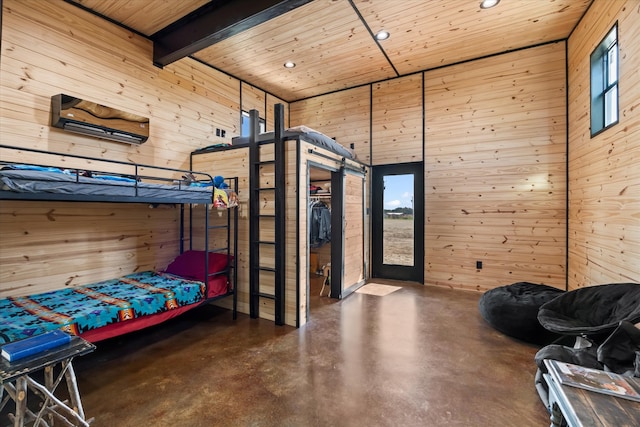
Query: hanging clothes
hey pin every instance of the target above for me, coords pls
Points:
(320, 224)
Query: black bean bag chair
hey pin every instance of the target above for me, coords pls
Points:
(592, 311)
(513, 310)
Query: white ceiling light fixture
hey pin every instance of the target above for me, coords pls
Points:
(486, 4)
(382, 35)
(289, 64)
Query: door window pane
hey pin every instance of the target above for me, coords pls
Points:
(398, 226)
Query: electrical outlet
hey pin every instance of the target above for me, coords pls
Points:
(223, 133)
(217, 131)
(478, 265)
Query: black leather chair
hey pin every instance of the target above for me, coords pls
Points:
(596, 325)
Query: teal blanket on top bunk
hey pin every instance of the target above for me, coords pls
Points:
(79, 309)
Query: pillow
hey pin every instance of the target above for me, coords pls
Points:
(190, 264)
(302, 129)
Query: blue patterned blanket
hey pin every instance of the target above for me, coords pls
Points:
(77, 310)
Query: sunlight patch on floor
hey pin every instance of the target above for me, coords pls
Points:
(377, 289)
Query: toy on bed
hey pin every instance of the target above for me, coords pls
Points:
(112, 307)
(223, 196)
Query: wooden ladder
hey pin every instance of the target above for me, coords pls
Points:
(267, 276)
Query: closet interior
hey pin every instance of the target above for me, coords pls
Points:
(319, 215)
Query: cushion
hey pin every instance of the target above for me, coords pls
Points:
(190, 264)
(513, 310)
(585, 356)
(592, 310)
(620, 352)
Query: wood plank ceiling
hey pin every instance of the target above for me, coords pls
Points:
(332, 44)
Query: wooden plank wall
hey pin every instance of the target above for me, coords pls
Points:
(271, 101)
(495, 186)
(294, 301)
(55, 244)
(396, 120)
(253, 99)
(344, 116)
(604, 171)
(256, 99)
(495, 161)
(53, 47)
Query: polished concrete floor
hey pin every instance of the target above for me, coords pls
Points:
(420, 356)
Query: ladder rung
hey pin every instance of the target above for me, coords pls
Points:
(217, 273)
(261, 161)
(213, 227)
(263, 295)
(217, 249)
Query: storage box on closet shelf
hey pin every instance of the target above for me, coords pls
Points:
(325, 189)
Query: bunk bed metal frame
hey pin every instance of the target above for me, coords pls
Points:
(141, 172)
(136, 178)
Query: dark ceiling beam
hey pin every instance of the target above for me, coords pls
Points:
(212, 23)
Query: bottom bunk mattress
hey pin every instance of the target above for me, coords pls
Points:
(133, 302)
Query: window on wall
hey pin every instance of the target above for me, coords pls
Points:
(604, 83)
(246, 127)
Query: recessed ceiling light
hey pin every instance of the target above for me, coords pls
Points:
(486, 4)
(382, 35)
(289, 64)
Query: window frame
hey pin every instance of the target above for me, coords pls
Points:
(602, 85)
(244, 119)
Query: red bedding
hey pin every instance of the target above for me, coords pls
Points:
(217, 286)
(190, 265)
(112, 307)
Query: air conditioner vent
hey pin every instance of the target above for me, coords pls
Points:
(88, 118)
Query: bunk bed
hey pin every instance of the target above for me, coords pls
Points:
(274, 168)
(304, 133)
(113, 307)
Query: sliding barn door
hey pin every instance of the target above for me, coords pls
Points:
(349, 250)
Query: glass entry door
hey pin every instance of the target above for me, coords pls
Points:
(398, 222)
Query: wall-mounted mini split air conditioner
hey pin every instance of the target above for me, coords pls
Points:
(88, 118)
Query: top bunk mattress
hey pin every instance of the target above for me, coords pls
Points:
(306, 134)
(133, 183)
(106, 187)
